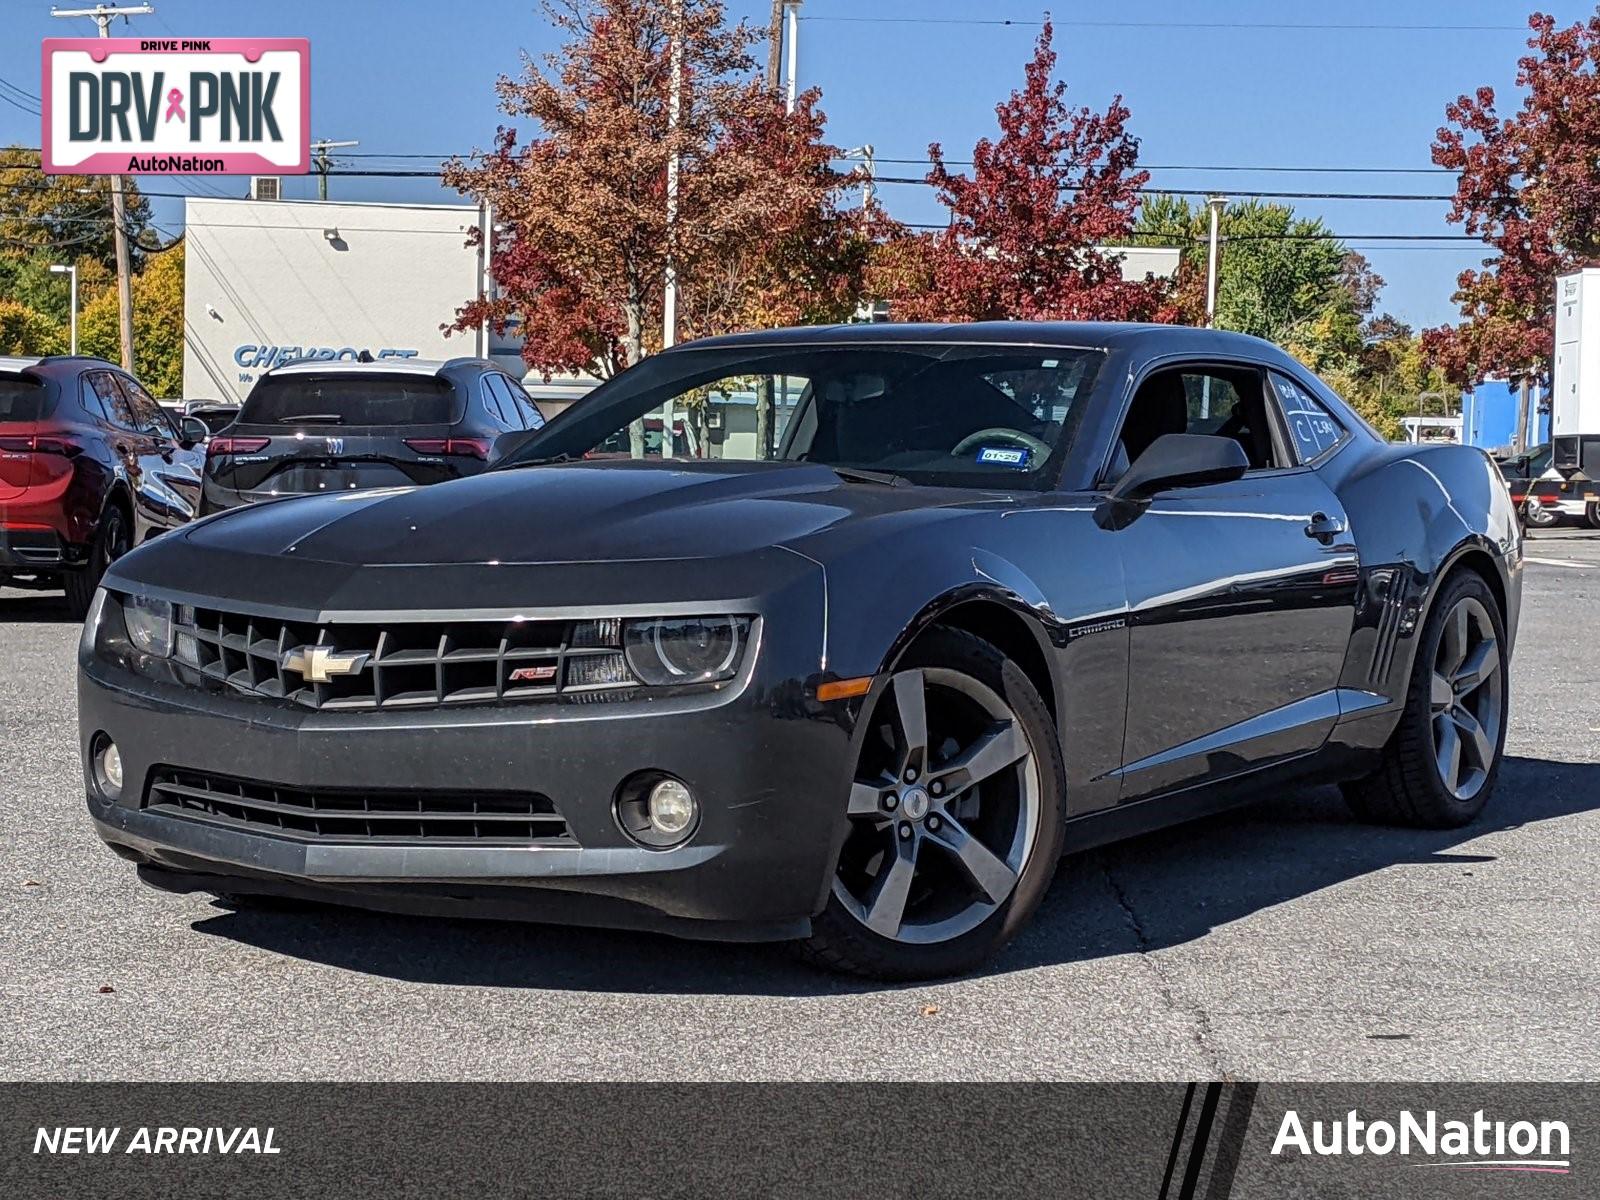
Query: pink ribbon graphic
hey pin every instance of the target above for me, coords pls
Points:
(175, 106)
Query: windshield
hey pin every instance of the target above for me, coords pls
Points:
(349, 400)
(964, 416)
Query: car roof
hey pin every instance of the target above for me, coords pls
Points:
(1076, 334)
(52, 363)
(380, 366)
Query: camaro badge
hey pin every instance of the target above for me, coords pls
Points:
(321, 663)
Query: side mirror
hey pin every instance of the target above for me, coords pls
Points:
(1177, 460)
(192, 431)
(508, 443)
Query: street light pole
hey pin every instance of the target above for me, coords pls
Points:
(71, 271)
(102, 15)
(792, 13)
(1216, 205)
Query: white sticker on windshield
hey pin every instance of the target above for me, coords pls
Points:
(1003, 456)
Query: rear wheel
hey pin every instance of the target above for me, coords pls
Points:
(1591, 513)
(955, 817)
(1442, 761)
(111, 541)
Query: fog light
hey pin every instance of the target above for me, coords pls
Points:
(107, 760)
(670, 807)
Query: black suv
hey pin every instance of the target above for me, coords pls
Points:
(313, 427)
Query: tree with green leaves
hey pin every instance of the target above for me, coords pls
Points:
(1279, 273)
(157, 322)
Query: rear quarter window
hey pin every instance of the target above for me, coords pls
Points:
(21, 400)
(343, 400)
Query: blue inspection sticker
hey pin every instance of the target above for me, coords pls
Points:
(1004, 456)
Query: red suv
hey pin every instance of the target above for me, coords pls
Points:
(90, 466)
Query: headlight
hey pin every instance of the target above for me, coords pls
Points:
(674, 650)
(91, 623)
(149, 623)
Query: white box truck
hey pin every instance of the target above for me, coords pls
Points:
(1575, 397)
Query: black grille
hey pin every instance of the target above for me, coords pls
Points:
(357, 814)
(402, 665)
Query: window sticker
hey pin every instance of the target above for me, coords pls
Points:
(1004, 456)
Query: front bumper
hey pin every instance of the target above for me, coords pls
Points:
(770, 769)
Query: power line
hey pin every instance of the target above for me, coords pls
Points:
(1248, 194)
(967, 162)
(22, 92)
(6, 96)
(1319, 27)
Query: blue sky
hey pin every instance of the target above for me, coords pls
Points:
(417, 78)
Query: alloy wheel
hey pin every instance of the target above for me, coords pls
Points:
(944, 809)
(1466, 697)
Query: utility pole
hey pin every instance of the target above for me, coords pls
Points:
(322, 164)
(869, 191)
(1519, 442)
(669, 301)
(1216, 204)
(792, 14)
(102, 15)
(775, 47)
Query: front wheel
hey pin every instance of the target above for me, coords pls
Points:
(1591, 513)
(955, 817)
(111, 541)
(1443, 758)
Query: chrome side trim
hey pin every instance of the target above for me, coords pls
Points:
(1324, 706)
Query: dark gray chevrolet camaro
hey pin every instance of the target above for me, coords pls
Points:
(858, 674)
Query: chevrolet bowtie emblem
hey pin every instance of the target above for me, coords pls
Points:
(321, 663)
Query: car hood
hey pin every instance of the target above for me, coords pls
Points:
(570, 513)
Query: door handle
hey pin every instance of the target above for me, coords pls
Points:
(1324, 528)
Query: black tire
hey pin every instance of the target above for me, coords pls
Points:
(840, 941)
(1591, 513)
(111, 542)
(1409, 788)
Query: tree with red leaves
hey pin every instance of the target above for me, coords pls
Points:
(1025, 226)
(761, 235)
(1530, 188)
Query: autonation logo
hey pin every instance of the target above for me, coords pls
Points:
(1479, 1144)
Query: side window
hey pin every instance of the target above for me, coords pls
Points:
(1219, 401)
(146, 411)
(1312, 428)
(531, 416)
(89, 397)
(116, 404)
(497, 402)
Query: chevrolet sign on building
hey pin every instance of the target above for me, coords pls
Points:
(162, 106)
(267, 282)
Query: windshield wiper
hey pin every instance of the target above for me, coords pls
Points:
(564, 456)
(863, 475)
(313, 419)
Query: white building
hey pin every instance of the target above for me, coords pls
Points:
(266, 281)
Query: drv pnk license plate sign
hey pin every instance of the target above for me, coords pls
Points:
(177, 106)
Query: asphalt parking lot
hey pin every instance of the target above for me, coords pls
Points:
(1284, 942)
